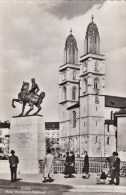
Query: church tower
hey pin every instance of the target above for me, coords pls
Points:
(92, 39)
(92, 94)
(68, 87)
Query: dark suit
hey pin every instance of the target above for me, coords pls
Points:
(111, 161)
(67, 165)
(13, 160)
(116, 170)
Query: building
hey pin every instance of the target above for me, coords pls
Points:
(4, 138)
(86, 113)
(52, 130)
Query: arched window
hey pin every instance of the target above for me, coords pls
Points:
(96, 81)
(71, 55)
(96, 139)
(64, 76)
(74, 119)
(64, 93)
(74, 75)
(96, 66)
(85, 85)
(108, 140)
(84, 67)
(74, 93)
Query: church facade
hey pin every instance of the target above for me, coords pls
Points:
(84, 125)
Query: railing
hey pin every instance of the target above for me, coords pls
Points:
(94, 167)
(59, 166)
(123, 169)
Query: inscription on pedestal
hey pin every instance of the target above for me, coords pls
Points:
(24, 139)
(27, 138)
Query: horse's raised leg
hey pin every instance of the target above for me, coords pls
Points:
(23, 108)
(31, 108)
(15, 100)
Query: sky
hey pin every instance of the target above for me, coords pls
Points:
(32, 41)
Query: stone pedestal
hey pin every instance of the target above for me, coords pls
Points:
(27, 138)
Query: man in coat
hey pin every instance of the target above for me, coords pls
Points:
(116, 169)
(67, 164)
(111, 161)
(86, 166)
(48, 166)
(13, 160)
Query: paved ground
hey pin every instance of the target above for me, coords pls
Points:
(59, 179)
(32, 184)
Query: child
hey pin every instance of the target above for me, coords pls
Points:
(104, 177)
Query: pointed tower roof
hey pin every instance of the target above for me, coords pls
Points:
(70, 41)
(92, 27)
(71, 50)
(92, 38)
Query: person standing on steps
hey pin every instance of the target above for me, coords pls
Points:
(13, 160)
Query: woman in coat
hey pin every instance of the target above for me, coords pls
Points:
(48, 166)
(73, 160)
(86, 166)
(67, 164)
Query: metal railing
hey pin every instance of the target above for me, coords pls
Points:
(94, 166)
(59, 166)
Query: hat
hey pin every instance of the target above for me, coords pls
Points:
(116, 153)
(12, 151)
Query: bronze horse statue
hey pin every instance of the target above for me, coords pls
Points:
(25, 97)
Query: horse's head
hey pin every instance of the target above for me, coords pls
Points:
(42, 94)
(25, 86)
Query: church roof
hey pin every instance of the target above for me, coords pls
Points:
(92, 27)
(73, 106)
(70, 41)
(115, 102)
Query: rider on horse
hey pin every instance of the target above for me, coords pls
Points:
(34, 88)
(29, 97)
(25, 91)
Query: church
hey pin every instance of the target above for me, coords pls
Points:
(86, 112)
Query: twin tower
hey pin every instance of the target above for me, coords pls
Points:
(82, 96)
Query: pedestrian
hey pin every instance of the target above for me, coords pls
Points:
(67, 164)
(48, 166)
(73, 160)
(71, 165)
(13, 160)
(111, 161)
(86, 166)
(116, 170)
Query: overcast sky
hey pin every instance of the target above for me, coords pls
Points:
(32, 40)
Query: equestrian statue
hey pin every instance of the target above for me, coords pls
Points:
(29, 97)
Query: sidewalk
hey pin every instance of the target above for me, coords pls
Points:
(60, 184)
